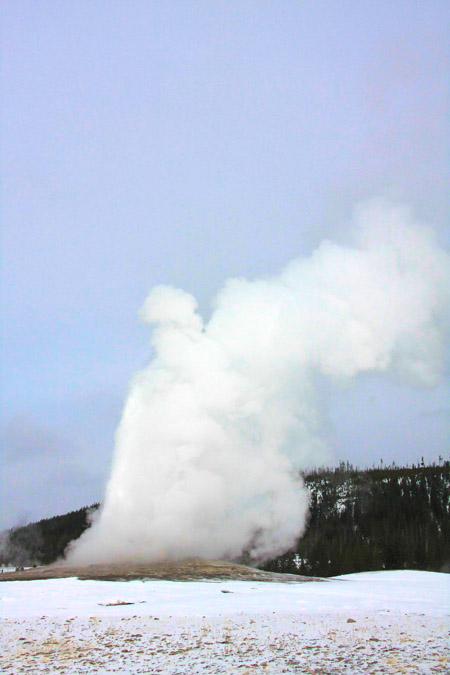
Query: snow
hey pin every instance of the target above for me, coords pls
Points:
(375, 622)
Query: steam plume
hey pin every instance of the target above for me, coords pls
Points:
(216, 428)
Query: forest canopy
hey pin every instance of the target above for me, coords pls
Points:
(382, 518)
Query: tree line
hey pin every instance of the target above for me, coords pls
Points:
(381, 518)
(359, 520)
(45, 541)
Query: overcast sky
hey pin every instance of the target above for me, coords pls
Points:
(186, 143)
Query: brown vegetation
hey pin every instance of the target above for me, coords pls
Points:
(181, 570)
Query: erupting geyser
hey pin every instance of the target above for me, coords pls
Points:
(216, 428)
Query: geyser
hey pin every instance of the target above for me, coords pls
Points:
(216, 428)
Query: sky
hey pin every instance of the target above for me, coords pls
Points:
(188, 143)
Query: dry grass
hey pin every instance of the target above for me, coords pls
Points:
(180, 570)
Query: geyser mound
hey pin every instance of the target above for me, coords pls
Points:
(180, 570)
(216, 428)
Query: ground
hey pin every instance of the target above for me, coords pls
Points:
(383, 622)
(176, 570)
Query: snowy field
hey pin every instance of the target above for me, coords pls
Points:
(378, 622)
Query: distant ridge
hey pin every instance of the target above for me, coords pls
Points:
(386, 517)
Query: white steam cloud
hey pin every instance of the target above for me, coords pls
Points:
(216, 428)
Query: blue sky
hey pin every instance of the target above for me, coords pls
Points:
(186, 143)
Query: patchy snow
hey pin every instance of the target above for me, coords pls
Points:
(376, 622)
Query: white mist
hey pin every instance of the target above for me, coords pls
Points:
(216, 428)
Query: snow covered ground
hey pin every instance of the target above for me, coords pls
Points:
(377, 622)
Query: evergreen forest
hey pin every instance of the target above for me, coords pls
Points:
(43, 542)
(381, 518)
(360, 520)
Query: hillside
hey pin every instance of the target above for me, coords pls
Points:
(382, 518)
(44, 541)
